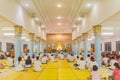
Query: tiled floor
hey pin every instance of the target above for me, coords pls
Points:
(60, 70)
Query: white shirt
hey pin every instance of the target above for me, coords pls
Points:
(81, 64)
(105, 60)
(37, 65)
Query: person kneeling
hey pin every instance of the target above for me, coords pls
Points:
(37, 64)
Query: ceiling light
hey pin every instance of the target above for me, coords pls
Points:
(8, 34)
(89, 5)
(59, 5)
(80, 18)
(59, 17)
(7, 29)
(107, 33)
(107, 28)
(89, 39)
(59, 24)
(23, 37)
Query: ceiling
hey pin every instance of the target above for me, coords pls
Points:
(58, 16)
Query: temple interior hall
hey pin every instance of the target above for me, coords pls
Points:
(59, 39)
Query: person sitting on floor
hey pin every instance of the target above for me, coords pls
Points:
(20, 65)
(1, 65)
(61, 56)
(52, 58)
(28, 62)
(116, 72)
(37, 64)
(33, 58)
(92, 62)
(112, 62)
(10, 61)
(105, 60)
(77, 60)
(87, 61)
(44, 59)
(95, 73)
(71, 58)
(81, 64)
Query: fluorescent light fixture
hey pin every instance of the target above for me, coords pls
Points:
(59, 24)
(8, 34)
(59, 17)
(89, 39)
(59, 5)
(107, 28)
(80, 18)
(23, 37)
(107, 33)
(7, 29)
(89, 5)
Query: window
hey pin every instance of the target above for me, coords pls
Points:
(107, 46)
(0, 46)
(117, 45)
(9, 46)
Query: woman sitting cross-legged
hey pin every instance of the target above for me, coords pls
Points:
(37, 64)
(20, 65)
(28, 62)
(10, 61)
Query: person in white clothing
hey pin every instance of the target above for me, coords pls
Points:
(44, 59)
(81, 64)
(93, 62)
(33, 58)
(52, 58)
(87, 61)
(61, 56)
(10, 61)
(112, 62)
(105, 60)
(71, 58)
(19, 65)
(37, 64)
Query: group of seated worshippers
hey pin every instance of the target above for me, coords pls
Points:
(21, 65)
(36, 61)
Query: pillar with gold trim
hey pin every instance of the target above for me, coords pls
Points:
(78, 44)
(41, 46)
(85, 43)
(97, 34)
(38, 45)
(18, 32)
(31, 43)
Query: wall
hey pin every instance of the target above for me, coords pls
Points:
(53, 38)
